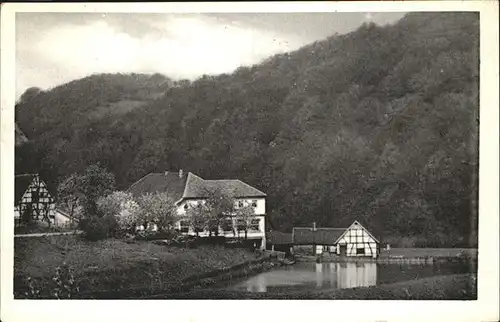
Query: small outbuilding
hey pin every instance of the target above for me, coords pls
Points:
(353, 241)
(278, 241)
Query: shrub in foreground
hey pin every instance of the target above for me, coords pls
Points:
(96, 227)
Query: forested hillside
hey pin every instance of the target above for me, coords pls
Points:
(379, 125)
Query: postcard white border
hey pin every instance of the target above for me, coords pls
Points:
(484, 309)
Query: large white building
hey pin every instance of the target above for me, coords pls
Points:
(190, 190)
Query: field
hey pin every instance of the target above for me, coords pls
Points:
(114, 265)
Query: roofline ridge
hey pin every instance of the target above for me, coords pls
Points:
(141, 179)
(188, 176)
(251, 187)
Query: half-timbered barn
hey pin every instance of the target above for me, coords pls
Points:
(357, 241)
(33, 202)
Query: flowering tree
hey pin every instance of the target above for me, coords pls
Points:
(244, 215)
(158, 208)
(198, 217)
(69, 195)
(218, 206)
(122, 206)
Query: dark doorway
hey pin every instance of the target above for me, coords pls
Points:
(343, 250)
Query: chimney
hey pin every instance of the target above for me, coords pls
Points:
(181, 173)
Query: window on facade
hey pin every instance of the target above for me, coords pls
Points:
(254, 224)
(254, 203)
(184, 226)
(240, 204)
(360, 251)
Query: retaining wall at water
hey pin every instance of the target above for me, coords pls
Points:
(386, 260)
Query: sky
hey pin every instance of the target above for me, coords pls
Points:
(54, 48)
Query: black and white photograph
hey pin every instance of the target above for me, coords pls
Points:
(247, 155)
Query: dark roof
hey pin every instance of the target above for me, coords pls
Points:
(322, 236)
(231, 188)
(168, 182)
(195, 187)
(22, 182)
(279, 238)
(191, 186)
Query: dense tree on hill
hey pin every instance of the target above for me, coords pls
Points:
(378, 125)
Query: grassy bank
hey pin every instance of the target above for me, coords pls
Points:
(113, 266)
(451, 287)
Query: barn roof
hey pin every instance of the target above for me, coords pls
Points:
(22, 182)
(279, 238)
(323, 236)
(191, 186)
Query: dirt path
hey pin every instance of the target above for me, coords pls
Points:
(78, 232)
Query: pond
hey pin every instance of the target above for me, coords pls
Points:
(310, 275)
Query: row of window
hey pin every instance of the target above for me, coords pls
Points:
(240, 204)
(226, 225)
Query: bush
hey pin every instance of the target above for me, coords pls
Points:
(96, 227)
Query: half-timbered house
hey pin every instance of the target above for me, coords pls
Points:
(33, 202)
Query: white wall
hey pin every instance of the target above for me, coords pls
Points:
(60, 220)
(259, 210)
(357, 237)
(261, 204)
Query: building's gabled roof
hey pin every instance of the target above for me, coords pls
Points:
(279, 238)
(195, 187)
(21, 184)
(191, 186)
(353, 224)
(169, 182)
(231, 188)
(322, 236)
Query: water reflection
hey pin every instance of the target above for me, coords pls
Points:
(321, 275)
